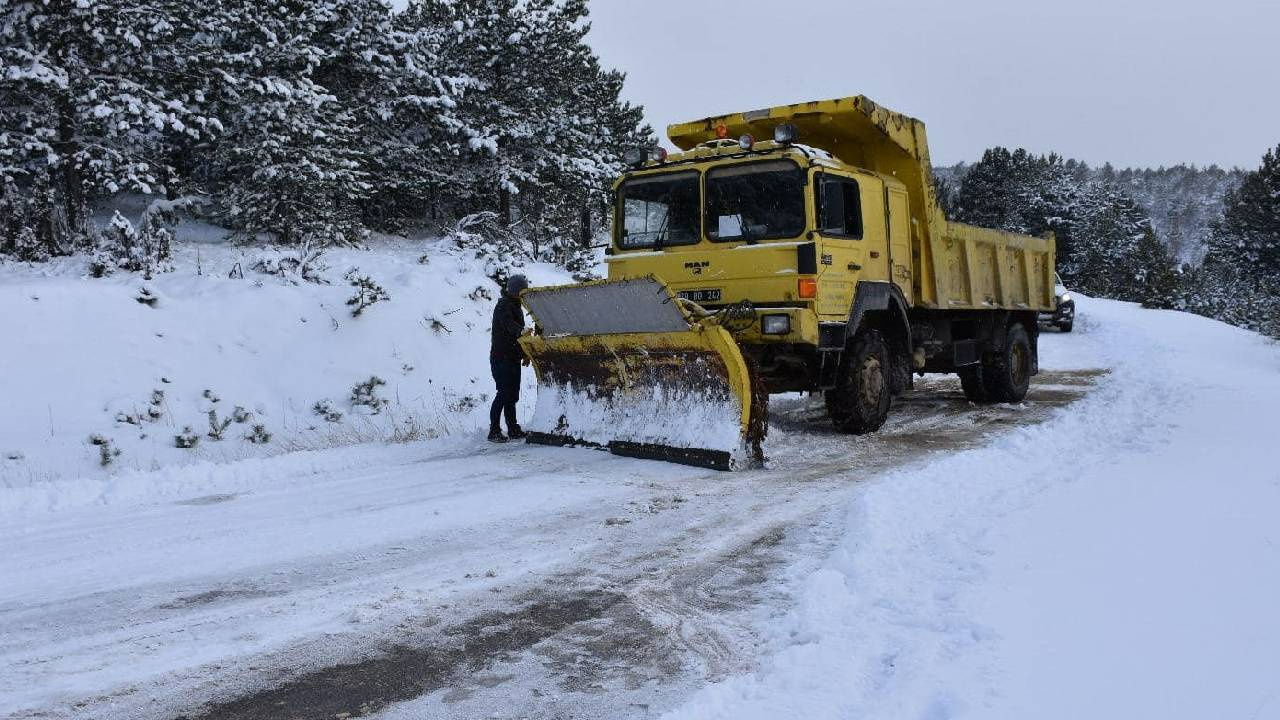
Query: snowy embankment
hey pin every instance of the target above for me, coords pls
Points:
(101, 376)
(1122, 560)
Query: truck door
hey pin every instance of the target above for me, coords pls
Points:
(839, 209)
(899, 228)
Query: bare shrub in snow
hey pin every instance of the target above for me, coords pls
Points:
(365, 394)
(187, 439)
(259, 435)
(306, 264)
(410, 430)
(480, 293)
(326, 410)
(122, 247)
(368, 293)
(153, 413)
(107, 451)
(147, 297)
(491, 241)
(217, 426)
(155, 410)
(107, 454)
(240, 415)
(463, 403)
(437, 326)
(27, 246)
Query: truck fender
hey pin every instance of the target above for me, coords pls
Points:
(872, 296)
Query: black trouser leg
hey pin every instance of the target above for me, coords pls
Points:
(506, 376)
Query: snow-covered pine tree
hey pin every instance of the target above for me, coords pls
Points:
(403, 93)
(1002, 191)
(1098, 226)
(1107, 228)
(89, 101)
(292, 163)
(1240, 279)
(486, 39)
(1250, 229)
(1158, 282)
(547, 125)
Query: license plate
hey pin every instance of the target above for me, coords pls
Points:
(700, 296)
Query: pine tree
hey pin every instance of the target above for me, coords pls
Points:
(291, 165)
(404, 93)
(89, 100)
(1240, 280)
(547, 127)
(1099, 227)
(1250, 230)
(1157, 277)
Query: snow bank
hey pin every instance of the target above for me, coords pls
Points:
(131, 363)
(1118, 561)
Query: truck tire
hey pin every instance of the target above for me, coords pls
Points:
(975, 390)
(860, 401)
(1007, 378)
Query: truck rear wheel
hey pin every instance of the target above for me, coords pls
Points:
(859, 403)
(1009, 377)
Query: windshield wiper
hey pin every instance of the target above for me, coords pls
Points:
(662, 233)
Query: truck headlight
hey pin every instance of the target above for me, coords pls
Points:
(775, 325)
(1066, 297)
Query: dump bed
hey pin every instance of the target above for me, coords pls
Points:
(955, 266)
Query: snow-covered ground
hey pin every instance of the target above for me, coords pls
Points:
(87, 359)
(1106, 549)
(1122, 560)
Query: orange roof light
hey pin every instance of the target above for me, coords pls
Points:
(808, 288)
(722, 131)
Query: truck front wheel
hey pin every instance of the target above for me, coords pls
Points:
(1008, 378)
(859, 403)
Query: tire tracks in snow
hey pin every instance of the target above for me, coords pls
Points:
(664, 608)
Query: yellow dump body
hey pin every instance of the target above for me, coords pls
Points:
(952, 266)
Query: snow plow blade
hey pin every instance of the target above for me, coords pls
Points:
(623, 366)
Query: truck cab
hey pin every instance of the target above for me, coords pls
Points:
(782, 227)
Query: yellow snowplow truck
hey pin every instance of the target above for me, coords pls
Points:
(794, 249)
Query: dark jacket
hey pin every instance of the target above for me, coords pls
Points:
(508, 324)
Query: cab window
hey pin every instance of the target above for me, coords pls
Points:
(839, 207)
(659, 210)
(755, 201)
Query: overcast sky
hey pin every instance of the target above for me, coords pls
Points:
(1133, 82)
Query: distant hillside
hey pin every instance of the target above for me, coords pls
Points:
(1183, 201)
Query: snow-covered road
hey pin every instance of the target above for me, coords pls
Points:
(1070, 552)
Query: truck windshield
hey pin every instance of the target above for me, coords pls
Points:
(755, 201)
(659, 210)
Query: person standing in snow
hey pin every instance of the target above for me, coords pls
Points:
(505, 359)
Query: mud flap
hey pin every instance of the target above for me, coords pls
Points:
(622, 367)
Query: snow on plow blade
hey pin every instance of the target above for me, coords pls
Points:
(622, 367)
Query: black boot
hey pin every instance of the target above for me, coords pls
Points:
(496, 436)
(515, 433)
